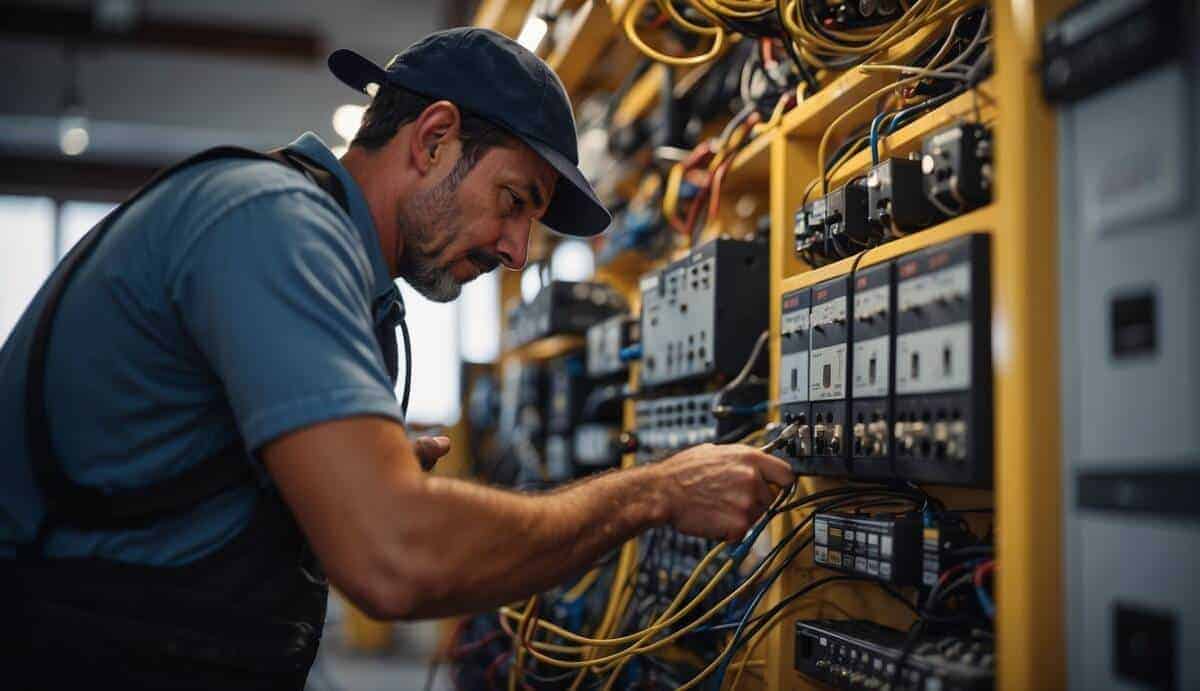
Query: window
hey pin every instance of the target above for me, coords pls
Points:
(479, 319)
(26, 254)
(436, 371)
(76, 219)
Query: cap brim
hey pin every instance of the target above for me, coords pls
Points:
(356, 71)
(574, 209)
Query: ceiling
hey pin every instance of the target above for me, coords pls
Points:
(149, 105)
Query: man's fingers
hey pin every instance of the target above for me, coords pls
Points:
(774, 470)
(434, 447)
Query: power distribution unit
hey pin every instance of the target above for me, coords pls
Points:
(794, 405)
(871, 370)
(943, 375)
(702, 315)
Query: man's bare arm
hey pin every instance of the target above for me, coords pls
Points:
(403, 544)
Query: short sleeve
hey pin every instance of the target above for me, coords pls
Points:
(276, 294)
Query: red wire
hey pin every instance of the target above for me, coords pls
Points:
(982, 570)
(494, 667)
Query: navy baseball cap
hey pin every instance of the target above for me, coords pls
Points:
(494, 77)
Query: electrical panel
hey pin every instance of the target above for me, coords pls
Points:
(885, 548)
(560, 462)
(863, 655)
(605, 341)
(896, 198)
(793, 376)
(562, 307)
(943, 377)
(871, 367)
(1128, 247)
(676, 422)
(829, 376)
(957, 164)
(701, 315)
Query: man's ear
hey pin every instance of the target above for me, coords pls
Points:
(435, 127)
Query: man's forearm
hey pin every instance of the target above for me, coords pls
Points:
(479, 547)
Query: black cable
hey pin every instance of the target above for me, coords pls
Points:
(407, 368)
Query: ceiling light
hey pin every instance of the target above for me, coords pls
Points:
(533, 32)
(73, 135)
(347, 119)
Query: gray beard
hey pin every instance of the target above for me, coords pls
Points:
(419, 221)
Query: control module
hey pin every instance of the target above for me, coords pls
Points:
(701, 315)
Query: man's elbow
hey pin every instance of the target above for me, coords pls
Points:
(392, 589)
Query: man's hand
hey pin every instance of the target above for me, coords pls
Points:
(430, 449)
(718, 492)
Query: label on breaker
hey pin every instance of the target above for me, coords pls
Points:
(872, 303)
(948, 284)
(871, 367)
(936, 359)
(827, 373)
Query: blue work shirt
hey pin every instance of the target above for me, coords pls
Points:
(234, 298)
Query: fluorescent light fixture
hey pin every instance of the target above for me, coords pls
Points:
(347, 119)
(73, 135)
(533, 32)
(573, 260)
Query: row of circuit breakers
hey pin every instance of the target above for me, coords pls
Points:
(885, 370)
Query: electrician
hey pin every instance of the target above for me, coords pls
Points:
(200, 410)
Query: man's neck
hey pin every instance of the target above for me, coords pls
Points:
(366, 167)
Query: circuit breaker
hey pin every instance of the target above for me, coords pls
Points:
(793, 376)
(871, 367)
(943, 384)
(957, 163)
(1128, 247)
(702, 315)
(829, 376)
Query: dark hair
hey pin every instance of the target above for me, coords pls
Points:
(394, 107)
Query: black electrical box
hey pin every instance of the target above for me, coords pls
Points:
(896, 197)
(847, 221)
(886, 548)
(956, 162)
(863, 655)
(794, 405)
(829, 376)
(871, 366)
(562, 307)
(943, 364)
(702, 315)
(567, 391)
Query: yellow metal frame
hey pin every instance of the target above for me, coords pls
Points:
(1021, 222)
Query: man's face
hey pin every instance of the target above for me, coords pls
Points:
(465, 223)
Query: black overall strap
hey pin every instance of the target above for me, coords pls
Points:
(70, 503)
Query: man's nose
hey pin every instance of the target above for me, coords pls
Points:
(513, 247)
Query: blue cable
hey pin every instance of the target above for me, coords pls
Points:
(875, 137)
(633, 352)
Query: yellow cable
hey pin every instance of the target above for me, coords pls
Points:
(630, 27)
(579, 589)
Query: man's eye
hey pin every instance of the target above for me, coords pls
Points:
(516, 203)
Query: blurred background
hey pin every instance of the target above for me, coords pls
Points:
(99, 94)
